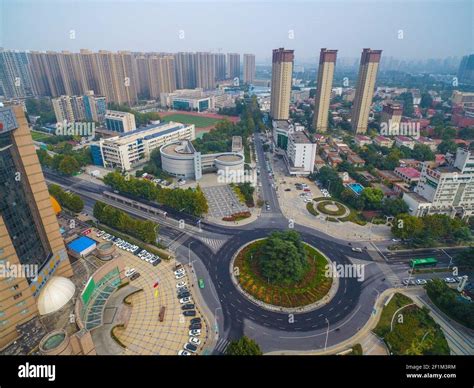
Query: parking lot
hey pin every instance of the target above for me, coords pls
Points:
(157, 323)
(222, 201)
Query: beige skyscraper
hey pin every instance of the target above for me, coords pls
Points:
(233, 65)
(249, 68)
(29, 230)
(161, 75)
(327, 63)
(205, 71)
(369, 64)
(185, 64)
(282, 73)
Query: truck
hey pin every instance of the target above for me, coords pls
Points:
(161, 316)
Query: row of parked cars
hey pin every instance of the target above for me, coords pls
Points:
(188, 307)
(421, 282)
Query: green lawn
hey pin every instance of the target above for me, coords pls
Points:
(198, 121)
(39, 136)
(414, 331)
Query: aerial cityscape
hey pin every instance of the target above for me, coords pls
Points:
(208, 186)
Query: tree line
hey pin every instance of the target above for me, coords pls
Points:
(69, 201)
(118, 219)
(187, 200)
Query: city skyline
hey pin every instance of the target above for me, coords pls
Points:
(407, 34)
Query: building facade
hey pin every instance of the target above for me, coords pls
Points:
(282, 73)
(327, 64)
(369, 64)
(29, 231)
(117, 121)
(249, 68)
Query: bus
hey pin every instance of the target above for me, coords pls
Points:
(420, 263)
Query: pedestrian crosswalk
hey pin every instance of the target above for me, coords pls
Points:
(213, 243)
(221, 345)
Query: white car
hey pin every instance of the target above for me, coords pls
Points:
(420, 282)
(195, 332)
(179, 271)
(183, 353)
(181, 284)
(356, 250)
(195, 341)
(100, 233)
(105, 236)
(129, 272)
(449, 280)
(185, 300)
(179, 276)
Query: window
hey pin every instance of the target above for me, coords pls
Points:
(19, 295)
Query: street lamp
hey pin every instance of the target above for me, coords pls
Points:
(189, 253)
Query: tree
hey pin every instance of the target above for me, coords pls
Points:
(372, 198)
(243, 347)
(407, 226)
(282, 258)
(423, 153)
(466, 258)
(447, 146)
(394, 207)
(68, 165)
(467, 133)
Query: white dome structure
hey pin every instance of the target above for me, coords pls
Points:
(57, 292)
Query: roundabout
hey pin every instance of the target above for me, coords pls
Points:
(314, 288)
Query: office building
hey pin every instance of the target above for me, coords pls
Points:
(94, 107)
(120, 121)
(233, 65)
(466, 70)
(327, 64)
(249, 68)
(133, 148)
(445, 189)
(30, 239)
(282, 72)
(88, 107)
(369, 64)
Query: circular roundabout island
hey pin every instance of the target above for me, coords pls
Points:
(283, 273)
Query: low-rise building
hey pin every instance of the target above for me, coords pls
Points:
(355, 160)
(409, 175)
(404, 141)
(121, 122)
(133, 148)
(383, 141)
(362, 140)
(446, 189)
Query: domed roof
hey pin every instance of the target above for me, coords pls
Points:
(57, 292)
(56, 205)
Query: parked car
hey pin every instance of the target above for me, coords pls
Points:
(179, 276)
(187, 306)
(178, 271)
(449, 280)
(189, 313)
(190, 347)
(195, 341)
(185, 300)
(136, 275)
(156, 261)
(195, 332)
(181, 284)
(129, 272)
(182, 295)
(183, 353)
(420, 282)
(196, 320)
(100, 233)
(195, 326)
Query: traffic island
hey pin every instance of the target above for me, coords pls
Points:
(306, 291)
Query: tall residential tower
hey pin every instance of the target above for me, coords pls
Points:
(327, 63)
(282, 73)
(369, 64)
(249, 68)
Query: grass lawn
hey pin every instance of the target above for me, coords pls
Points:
(39, 136)
(414, 331)
(198, 121)
(314, 286)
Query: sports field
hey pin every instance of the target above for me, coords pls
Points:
(198, 121)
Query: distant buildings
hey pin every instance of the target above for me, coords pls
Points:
(233, 65)
(88, 107)
(327, 63)
(391, 117)
(197, 100)
(445, 189)
(466, 70)
(249, 68)
(369, 64)
(282, 72)
(121, 122)
(16, 80)
(133, 148)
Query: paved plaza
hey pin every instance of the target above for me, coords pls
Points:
(222, 201)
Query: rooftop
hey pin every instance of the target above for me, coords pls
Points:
(410, 172)
(81, 243)
(300, 137)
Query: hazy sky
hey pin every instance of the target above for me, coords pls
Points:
(431, 29)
